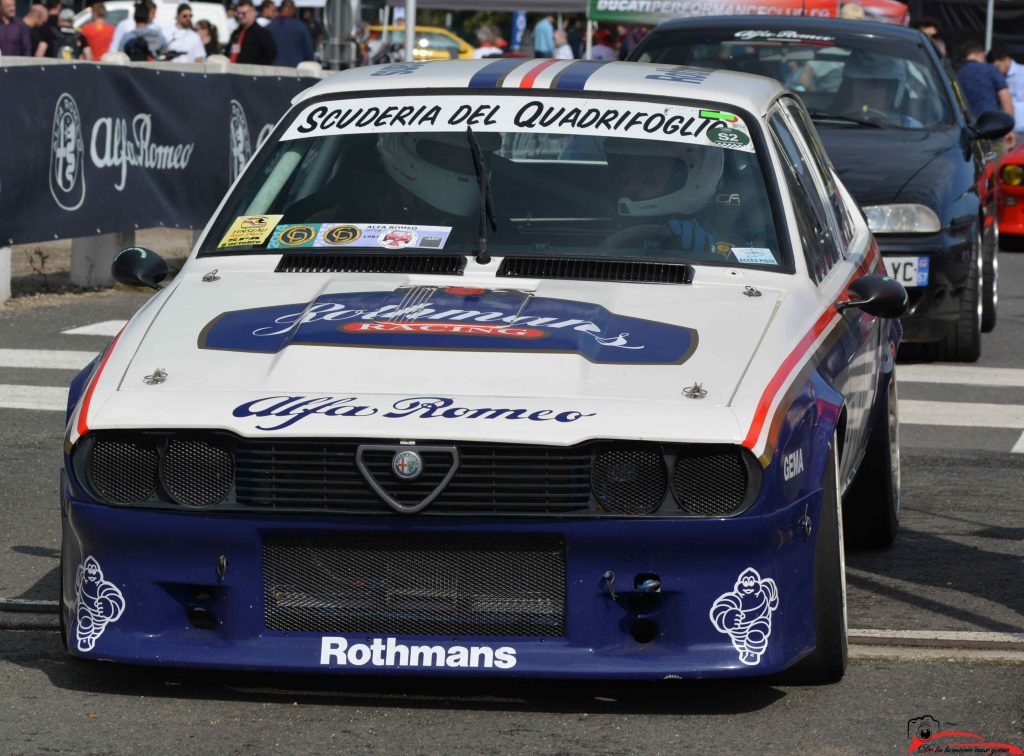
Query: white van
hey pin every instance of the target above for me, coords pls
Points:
(118, 10)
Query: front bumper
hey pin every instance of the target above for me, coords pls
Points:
(190, 592)
(934, 309)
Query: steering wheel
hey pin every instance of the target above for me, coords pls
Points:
(646, 236)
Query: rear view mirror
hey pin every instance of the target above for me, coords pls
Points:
(993, 124)
(138, 266)
(877, 295)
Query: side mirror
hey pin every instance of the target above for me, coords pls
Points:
(877, 295)
(993, 124)
(138, 266)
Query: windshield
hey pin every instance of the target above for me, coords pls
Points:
(852, 81)
(567, 176)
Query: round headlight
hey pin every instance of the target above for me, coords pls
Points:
(196, 473)
(1012, 174)
(123, 470)
(629, 481)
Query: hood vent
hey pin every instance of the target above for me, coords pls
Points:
(384, 262)
(590, 269)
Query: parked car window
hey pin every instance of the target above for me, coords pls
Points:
(849, 79)
(824, 171)
(815, 221)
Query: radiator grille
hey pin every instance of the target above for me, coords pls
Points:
(491, 478)
(415, 585)
(710, 481)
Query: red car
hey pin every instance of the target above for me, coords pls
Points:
(1010, 200)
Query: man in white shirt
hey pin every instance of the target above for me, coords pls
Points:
(1013, 72)
(184, 40)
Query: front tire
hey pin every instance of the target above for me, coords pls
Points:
(963, 344)
(827, 662)
(871, 508)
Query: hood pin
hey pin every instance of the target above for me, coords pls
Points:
(750, 291)
(211, 276)
(159, 376)
(696, 391)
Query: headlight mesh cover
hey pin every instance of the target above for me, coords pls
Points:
(123, 471)
(629, 481)
(197, 473)
(710, 482)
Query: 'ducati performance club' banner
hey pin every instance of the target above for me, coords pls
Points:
(97, 148)
(655, 11)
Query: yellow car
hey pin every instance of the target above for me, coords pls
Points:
(432, 42)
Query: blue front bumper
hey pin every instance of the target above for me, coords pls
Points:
(179, 609)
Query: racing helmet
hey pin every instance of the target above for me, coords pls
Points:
(695, 176)
(882, 69)
(436, 167)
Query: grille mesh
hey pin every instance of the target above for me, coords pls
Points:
(491, 478)
(197, 473)
(325, 262)
(583, 269)
(710, 481)
(422, 585)
(630, 481)
(123, 471)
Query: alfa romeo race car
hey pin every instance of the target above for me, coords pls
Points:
(515, 368)
(1009, 191)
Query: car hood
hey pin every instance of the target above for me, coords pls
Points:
(403, 357)
(890, 165)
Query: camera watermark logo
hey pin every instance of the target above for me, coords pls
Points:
(927, 736)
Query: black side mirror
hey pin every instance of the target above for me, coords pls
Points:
(877, 295)
(993, 124)
(138, 266)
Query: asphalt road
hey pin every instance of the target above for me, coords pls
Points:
(956, 566)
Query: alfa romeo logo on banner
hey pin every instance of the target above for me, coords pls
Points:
(67, 155)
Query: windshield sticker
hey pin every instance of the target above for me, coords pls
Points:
(586, 117)
(754, 255)
(453, 319)
(782, 36)
(289, 235)
(386, 235)
(730, 138)
(249, 230)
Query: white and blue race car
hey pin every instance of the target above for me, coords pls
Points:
(515, 368)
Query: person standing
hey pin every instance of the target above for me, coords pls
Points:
(34, 20)
(15, 38)
(563, 50)
(268, 12)
(98, 32)
(147, 39)
(485, 47)
(251, 43)
(71, 45)
(292, 37)
(984, 87)
(544, 37)
(209, 36)
(184, 40)
(1013, 72)
(602, 48)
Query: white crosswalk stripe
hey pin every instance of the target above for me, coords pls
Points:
(33, 397)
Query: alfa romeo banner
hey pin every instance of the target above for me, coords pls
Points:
(656, 11)
(97, 148)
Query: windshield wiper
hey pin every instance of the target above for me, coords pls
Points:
(824, 115)
(486, 207)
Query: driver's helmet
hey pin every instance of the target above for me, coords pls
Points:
(695, 175)
(883, 70)
(437, 167)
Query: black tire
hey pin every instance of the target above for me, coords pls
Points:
(827, 662)
(871, 507)
(963, 344)
(990, 279)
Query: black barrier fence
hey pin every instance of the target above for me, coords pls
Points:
(93, 148)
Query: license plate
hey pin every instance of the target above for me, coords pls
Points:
(909, 271)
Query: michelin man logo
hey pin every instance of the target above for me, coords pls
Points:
(745, 614)
(67, 155)
(99, 603)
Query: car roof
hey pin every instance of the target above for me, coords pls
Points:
(746, 91)
(807, 24)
